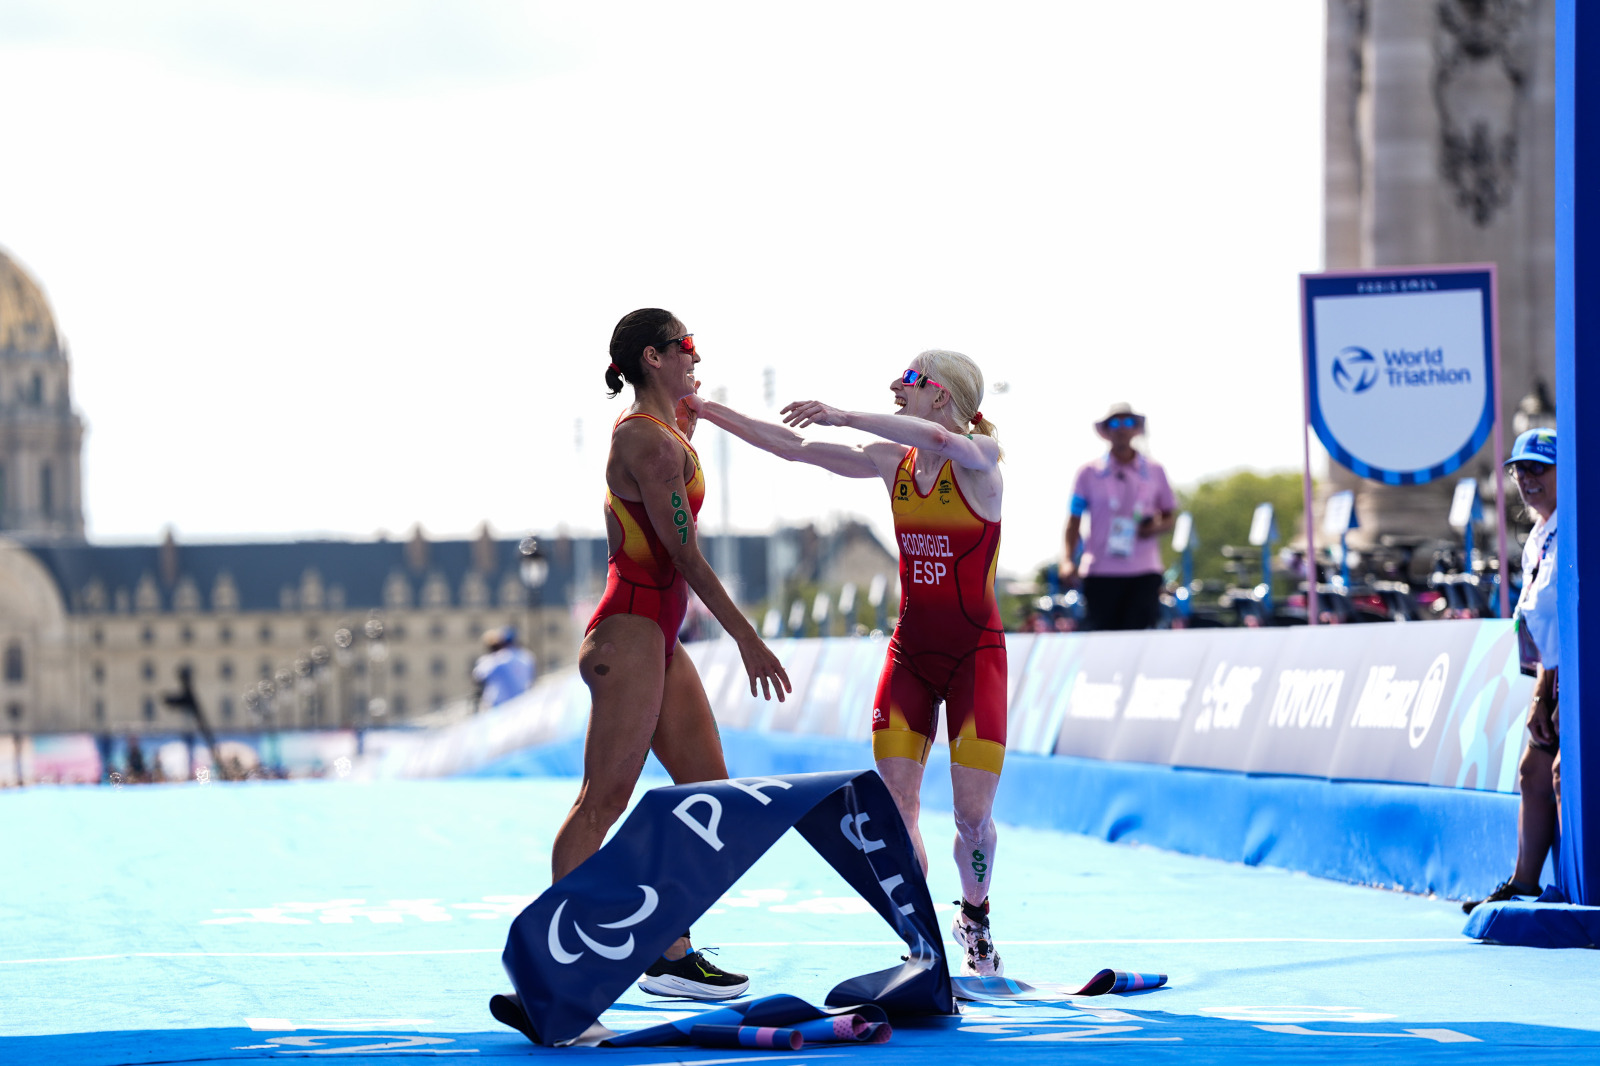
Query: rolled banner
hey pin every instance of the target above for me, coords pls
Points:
(755, 1036)
(844, 1029)
(1108, 982)
(864, 1023)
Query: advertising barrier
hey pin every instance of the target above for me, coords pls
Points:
(1428, 703)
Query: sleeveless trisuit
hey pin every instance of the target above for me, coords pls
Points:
(640, 577)
(949, 644)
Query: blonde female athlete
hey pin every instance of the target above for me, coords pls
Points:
(940, 461)
(646, 693)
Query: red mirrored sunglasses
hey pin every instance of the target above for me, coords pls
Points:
(686, 342)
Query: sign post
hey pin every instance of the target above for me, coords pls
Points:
(1402, 375)
(1338, 519)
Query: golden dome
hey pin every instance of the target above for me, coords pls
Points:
(26, 324)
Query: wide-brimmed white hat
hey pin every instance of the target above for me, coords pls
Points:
(1117, 410)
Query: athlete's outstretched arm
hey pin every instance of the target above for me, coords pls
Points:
(847, 460)
(975, 452)
(655, 461)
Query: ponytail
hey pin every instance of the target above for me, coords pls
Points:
(986, 427)
(645, 328)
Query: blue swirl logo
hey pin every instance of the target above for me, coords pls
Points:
(1355, 370)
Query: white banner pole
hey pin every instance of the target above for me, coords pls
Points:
(1305, 440)
(1499, 449)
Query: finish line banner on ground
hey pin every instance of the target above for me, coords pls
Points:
(582, 943)
(1430, 703)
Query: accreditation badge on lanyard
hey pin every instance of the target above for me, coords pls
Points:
(1124, 528)
(1527, 650)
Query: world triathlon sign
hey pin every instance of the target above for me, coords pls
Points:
(1400, 368)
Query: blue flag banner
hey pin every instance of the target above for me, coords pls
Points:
(582, 943)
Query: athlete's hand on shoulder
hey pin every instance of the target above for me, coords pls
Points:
(688, 413)
(804, 413)
(762, 665)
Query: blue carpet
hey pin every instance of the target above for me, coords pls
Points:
(342, 921)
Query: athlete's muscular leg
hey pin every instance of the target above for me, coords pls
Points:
(975, 832)
(904, 778)
(622, 662)
(686, 740)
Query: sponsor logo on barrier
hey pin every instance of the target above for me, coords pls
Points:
(613, 952)
(1222, 702)
(1390, 703)
(1159, 698)
(1092, 699)
(1306, 699)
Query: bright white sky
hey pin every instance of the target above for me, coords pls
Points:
(344, 267)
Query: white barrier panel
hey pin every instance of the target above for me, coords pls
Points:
(1438, 703)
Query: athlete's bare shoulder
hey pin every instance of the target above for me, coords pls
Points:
(887, 457)
(647, 449)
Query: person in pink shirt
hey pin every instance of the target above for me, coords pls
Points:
(1129, 504)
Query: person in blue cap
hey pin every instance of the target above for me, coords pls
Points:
(1533, 467)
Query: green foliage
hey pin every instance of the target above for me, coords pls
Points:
(1222, 508)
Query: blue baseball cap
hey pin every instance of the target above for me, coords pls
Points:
(1536, 444)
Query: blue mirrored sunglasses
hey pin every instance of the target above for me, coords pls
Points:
(1124, 422)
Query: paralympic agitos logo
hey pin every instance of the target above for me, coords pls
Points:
(607, 951)
(1355, 369)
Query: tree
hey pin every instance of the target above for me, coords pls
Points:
(1222, 507)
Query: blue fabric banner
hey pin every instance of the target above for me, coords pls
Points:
(577, 947)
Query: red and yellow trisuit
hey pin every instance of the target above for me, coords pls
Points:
(949, 644)
(640, 577)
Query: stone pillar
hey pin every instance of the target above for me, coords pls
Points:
(1439, 126)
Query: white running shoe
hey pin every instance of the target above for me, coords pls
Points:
(971, 931)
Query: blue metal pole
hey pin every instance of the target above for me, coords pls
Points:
(1186, 601)
(1344, 564)
(1266, 577)
(1577, 393)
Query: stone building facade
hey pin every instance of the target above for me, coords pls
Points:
(283, 635)
(1439, 132)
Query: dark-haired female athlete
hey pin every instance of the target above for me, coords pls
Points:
(646, 696)
(943, 474)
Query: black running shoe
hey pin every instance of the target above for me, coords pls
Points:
(1507, 889)
(693, 977)
(971, 930)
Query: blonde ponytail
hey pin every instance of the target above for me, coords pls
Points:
(963, 380)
